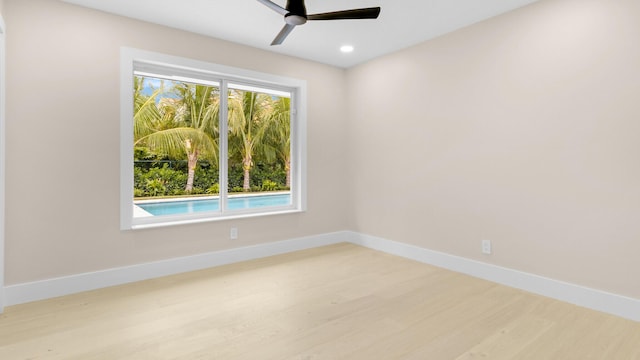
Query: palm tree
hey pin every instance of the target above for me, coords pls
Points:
(199, 110)
(178, 127)
(248, 122)
(278, 139)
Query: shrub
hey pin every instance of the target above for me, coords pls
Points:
(268, 185)
(213, 189)
(156, 187)
(172, 176)
(177, 192)
(259, 173)
(138, 178)
(195, 191)
(235, 176)
(173, 179)
(205, 177)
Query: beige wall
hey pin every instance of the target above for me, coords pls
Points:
(522, 129)
(63, 143)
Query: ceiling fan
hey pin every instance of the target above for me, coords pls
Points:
(295, 13)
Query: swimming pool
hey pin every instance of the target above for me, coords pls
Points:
(234, 202)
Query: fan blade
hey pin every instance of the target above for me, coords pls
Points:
(283, 34)
(273, 6)
(367, 13)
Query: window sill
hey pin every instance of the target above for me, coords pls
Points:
(211, 219)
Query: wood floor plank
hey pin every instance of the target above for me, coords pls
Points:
(509, 341)
(334, 302)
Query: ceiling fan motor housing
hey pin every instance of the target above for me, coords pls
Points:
(293, 19)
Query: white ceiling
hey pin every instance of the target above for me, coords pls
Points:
(402, 23)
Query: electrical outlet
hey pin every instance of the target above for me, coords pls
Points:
(233, 234)
(486, 247)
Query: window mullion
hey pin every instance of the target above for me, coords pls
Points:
(223, 127)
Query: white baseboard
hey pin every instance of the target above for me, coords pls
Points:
(49, 288)
(590, 298)
(606, 302)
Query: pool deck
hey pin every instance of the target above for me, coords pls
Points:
(140, 212)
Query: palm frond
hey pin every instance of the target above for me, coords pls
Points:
(174, 142)
(146, 114)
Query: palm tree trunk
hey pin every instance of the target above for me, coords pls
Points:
(247, 183)
(246, 166)
(287, 168)
(191, 174)
(192, 162)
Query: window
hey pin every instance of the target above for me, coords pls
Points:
(201, 141)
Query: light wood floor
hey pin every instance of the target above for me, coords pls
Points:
(335, 302)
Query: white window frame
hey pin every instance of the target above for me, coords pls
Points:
(2, 158)
(135, 60)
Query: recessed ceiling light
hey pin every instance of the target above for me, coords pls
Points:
(346, 48)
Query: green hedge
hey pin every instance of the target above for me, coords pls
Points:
(168, 178)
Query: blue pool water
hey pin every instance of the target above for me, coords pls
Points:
(197, 205)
